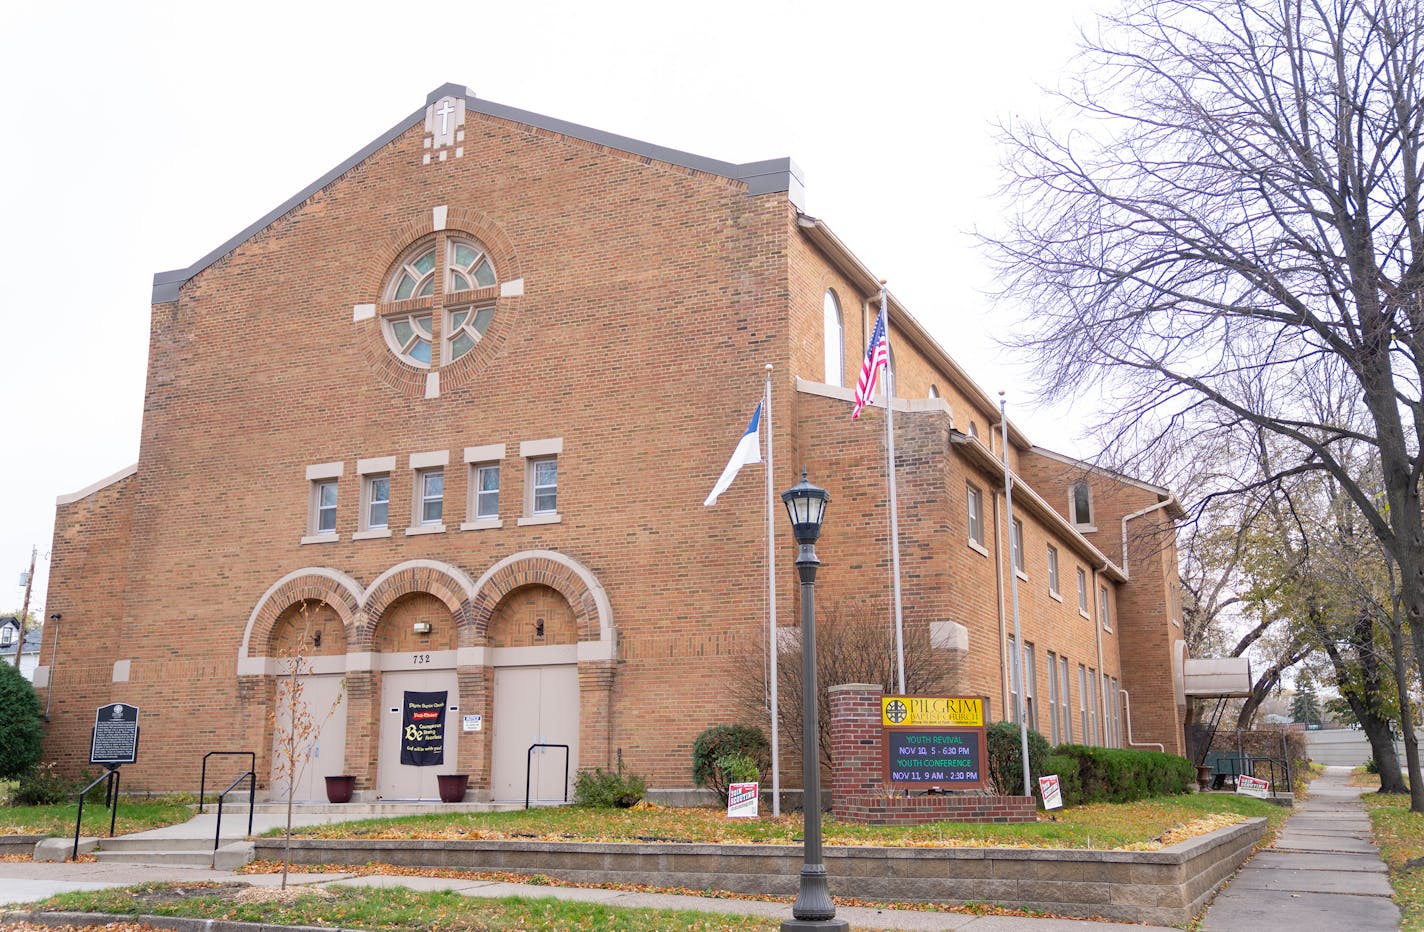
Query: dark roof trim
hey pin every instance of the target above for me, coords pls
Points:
(765, 177)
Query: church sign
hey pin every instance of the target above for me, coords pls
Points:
(423, 729)
(115, 738)
(934, 742)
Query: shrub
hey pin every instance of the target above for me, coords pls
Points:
(1070, 783)
(1371, 766)
(43, 787)
(739, 768)
(21, 731)
(1005, 752)
(1120, 775)
(723, 741)
(607, 790)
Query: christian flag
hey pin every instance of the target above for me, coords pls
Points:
(877, 354)
(748, 451)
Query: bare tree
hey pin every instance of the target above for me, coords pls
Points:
(1230, 229)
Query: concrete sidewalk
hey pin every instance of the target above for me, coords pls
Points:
(1323, 872)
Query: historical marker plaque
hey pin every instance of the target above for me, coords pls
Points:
(115, 738)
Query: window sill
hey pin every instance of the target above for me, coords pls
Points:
(374, 533)
(425, 529)
(1108, 629)
(1086, 528)
(1055, 595)
(1021, 575)
(321, 539)
(482, 524)
(554, 518)
(975, 545)
(1085, 614)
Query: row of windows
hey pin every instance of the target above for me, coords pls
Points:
(975, 506)
(1061, 710)
(484, 469)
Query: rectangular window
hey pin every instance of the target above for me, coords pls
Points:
(1013, 680)
(430, 495)
(1064, 706)
(1053, 698)
(1082, 592)
(1109, 736)
(544, 487)
(1052, 569)
(1016, 546)
(1083, 704)
(7, 636)
(1103, 608)
(1116, 714)
(1030, 686)
(487, 491)
(976, 516)
(324, 507)
(1093, 707)
(377, 509)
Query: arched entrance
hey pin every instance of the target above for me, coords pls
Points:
(309, 700)
(532, 645)
(415, 640)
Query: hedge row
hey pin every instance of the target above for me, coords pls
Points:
(1085, 774)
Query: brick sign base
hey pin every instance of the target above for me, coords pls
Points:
(858, 790)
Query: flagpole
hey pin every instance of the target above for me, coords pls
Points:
(1014, 591)
(894, 501)
(771, 606)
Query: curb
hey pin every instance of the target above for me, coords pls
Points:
(173, 923)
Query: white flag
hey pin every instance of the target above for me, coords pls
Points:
(748, 451)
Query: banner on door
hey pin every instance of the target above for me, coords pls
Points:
(423, 729)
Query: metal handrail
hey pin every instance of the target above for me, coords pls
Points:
(203, 777)
(111, 801)
(251, 805)
(529, 766)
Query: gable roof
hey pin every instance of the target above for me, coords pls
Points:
(762, 177)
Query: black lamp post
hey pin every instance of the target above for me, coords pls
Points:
(813, 909)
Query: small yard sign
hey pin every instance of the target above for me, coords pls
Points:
(1051, 792)
(742, 800)
(1251, 786)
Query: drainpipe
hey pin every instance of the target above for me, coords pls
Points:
(1127, 714)
(1137, 514)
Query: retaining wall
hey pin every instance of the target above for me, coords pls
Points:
(1167, 887)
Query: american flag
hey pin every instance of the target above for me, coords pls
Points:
(877, 354)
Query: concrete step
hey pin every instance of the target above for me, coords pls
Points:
(371, 810)
(168, 858)
(129, 844)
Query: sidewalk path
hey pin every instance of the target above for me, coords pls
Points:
(1323, 872)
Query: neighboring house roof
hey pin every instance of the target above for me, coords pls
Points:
(31, 639)
(761, 177)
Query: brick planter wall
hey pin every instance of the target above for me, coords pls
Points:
(858, 790)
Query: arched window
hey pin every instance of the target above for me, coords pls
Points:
(934, 390)
(835, 341)
(417, 296)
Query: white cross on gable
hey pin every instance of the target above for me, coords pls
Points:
(445, 110)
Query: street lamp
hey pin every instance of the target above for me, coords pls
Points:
(813, 909)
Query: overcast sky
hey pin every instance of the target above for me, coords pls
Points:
(138, 137)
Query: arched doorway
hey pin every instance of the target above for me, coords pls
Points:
(309, 700)
(415, 642)
(532, 644)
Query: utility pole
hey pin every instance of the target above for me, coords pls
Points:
(25, 612)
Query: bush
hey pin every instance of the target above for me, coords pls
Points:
(21, 732)
(1119, 775)
(727, 741)
(1070, 783)
(43, 787)
(1371, 766)
(606, 790)
(739, 768)
(1005, 752)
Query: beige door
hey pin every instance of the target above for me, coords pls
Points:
(395, 780)
(534, 705)
(320, 739)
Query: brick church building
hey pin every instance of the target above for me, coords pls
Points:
(444, 421)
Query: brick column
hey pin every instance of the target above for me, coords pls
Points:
(362, 726)
(857, 744)
(595, 709)
(474, 756)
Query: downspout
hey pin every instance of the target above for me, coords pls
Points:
(1003, 621)
(1127, 714)
(1136, 514)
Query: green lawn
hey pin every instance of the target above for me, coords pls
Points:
(59, 819)
(391, 908)
(1144, 824)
